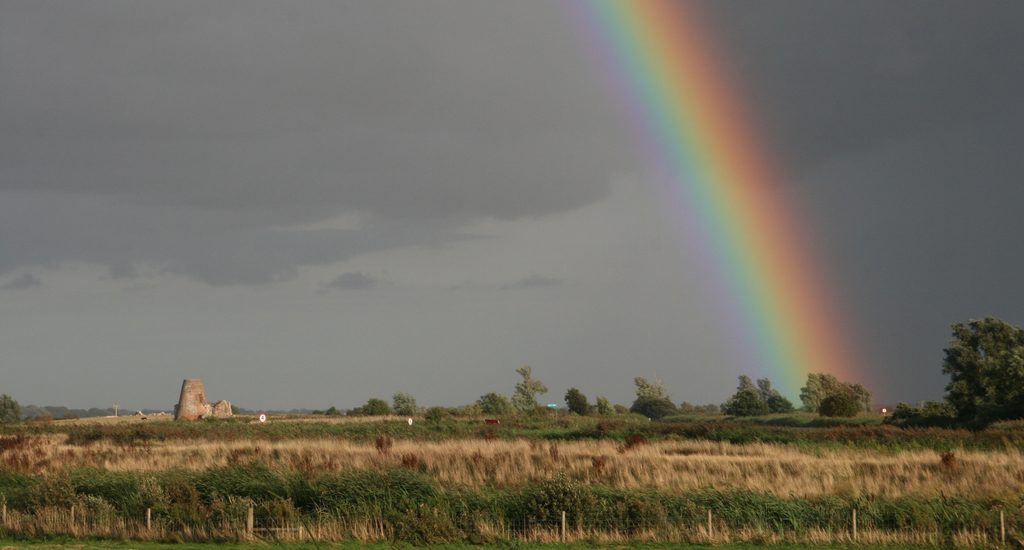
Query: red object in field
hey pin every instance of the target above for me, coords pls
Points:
(491, 421)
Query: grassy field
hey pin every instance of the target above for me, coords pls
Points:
(124, 545)
(132, 545)
(773, 480)
(801, 429)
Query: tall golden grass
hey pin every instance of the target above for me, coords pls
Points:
(668, 466)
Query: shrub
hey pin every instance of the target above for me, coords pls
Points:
(404, 404)
(10, 410)
(745, 403)
(930, 414)
(577, 402)
(495, 404)
(653, 407)
(841, 403)
(436, 415)
(373, 407)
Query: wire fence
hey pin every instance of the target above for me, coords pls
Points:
(432, 526)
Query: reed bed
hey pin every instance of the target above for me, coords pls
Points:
(668, 466)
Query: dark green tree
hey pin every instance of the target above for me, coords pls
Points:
(843, 402)
(10, 410)
(776, 402)
(653, 407)
(495, 404)
(652, 400)
(819, 386)
(985, 364)
(747, 401)
(577, 402)
(373, 407)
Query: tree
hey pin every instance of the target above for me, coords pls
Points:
(755, 400)
(436, 415)
(525, 397)
(776, 402)
(373, 407)
(863, 396)
(404, 404)
(929, 414)
(652, 400)
(748, 399)
(10, 410)
(985, 364)
(577, 402)
(653, 407)
(843, 402)
(820, 386)
(495, 404)
(604, 407)
(647, 389)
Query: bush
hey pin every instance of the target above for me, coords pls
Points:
(577, 402)
(404, 404)
(436, 415)
(745, 403)
(930, 414)
(373, 407)
(653, 407)
(10, 410)
(495, 404)
(841, 403)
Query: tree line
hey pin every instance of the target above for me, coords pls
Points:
(984, 362)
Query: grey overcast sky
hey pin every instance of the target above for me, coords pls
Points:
(311, 203)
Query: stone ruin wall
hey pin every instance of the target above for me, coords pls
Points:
(192, 404)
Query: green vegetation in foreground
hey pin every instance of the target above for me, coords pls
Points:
(421, 511)
(135, 545)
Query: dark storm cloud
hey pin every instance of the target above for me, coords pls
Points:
(898, 123)
(824, 78)
(242, 117)
(353, 280)
(219, 141)
(25, 281)
(212, 245)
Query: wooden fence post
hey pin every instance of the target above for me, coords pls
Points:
(1002, 528)
(249, 521)
(4, 508)
(149, 519)
(563, 526)
(854, 524)
(72, 515)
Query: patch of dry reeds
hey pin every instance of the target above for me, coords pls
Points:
(672, 466)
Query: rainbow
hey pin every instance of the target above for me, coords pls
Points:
(688, 117)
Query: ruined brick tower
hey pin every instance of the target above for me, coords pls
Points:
(192, 404)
